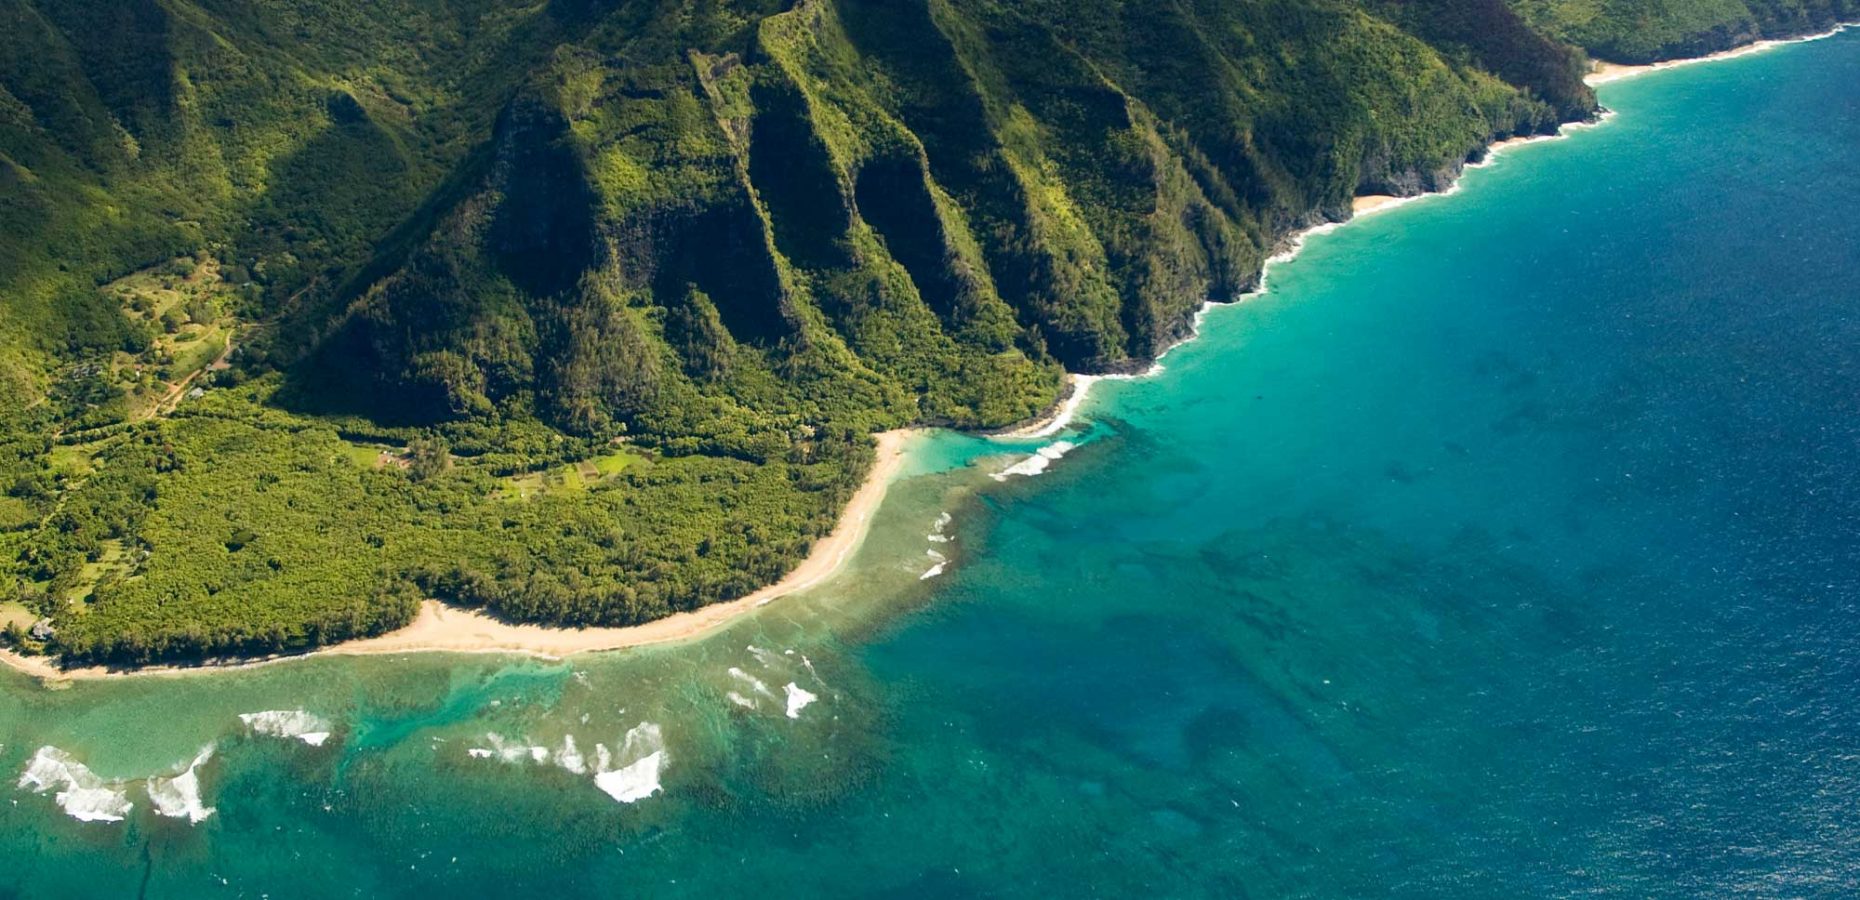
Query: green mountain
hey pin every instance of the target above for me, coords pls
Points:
(583, 312)
(1644, 31)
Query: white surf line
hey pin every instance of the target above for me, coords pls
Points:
(1295, 242)
(1612, 72)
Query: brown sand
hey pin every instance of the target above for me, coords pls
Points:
(442, 628)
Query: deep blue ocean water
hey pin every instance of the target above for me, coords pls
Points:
(1509, 545)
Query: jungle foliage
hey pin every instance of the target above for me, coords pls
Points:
(1644, 31)
(583, 311)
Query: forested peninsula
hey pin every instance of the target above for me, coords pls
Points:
(583, 312)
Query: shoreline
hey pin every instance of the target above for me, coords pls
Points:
(1607, 72)
(1367, 204)
(440, 628)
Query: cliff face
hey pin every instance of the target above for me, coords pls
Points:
(945, 197)
(597, 300)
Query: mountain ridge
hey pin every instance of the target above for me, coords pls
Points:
(606, 297)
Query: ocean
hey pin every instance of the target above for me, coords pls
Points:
(1507, 545)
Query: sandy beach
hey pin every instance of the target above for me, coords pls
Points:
(1077, 387)
(442, 628)
(1368, 203)
(449, 629)
(1605, 72)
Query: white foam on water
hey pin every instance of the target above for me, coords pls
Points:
(940, 562)
(798, 699)
(633, 782)
(766, 657)
(936, 530)
(81, 794)
(1036, 463)
(178, 796)
(506, 750)
(570, 756)
(752, 682)
(638, 779)
(289, 723)
(740, 700)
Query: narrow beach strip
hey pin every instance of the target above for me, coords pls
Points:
(440, 628)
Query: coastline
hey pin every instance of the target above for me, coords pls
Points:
(440, 628)
(1367, 204)
(1605, 72)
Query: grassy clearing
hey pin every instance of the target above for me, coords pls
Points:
(113, 562)
(73, 461)
(372, 456)
(571, 478)
(13, 613)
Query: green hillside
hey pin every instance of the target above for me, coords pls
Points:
(583, 312)
(1642, 31)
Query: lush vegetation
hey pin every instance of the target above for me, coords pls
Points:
(1641, 31)
(583, 312)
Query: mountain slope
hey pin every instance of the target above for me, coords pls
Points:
(582, 312)
(1645, 31)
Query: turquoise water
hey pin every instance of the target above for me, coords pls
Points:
(1509, 545)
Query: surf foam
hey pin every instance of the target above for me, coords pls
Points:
(638, 779)
(81, 794)
(288, 723)
(798, 699)
(1037, 462)
(178, 796)
(752, 682)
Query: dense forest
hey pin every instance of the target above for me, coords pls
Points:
(1644, 31)
(584, 311)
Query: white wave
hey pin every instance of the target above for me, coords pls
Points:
(740, 700)
(81, 794)
(635, 781)
(570, 756)
(289, 723)
(1598, 78)
(753, 683)
(798, 699)
(766, 657)
(936, 530)
(178, 796)
(504, 749)
(940, 562)
(638, 779)
(1036, 463)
